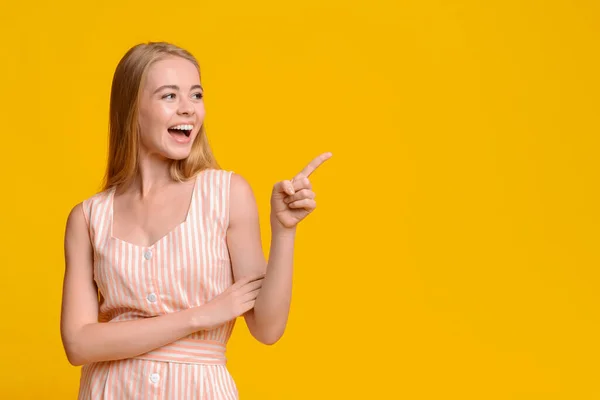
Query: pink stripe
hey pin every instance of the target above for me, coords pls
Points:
(190, 265)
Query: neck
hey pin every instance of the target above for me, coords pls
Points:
(153, 174)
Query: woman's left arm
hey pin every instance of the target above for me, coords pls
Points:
(291, 201)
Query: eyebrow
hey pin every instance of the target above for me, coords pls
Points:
(175, 87)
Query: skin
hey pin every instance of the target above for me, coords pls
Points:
(152, 206)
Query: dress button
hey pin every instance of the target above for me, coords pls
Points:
(152, 298)
(148, 254)
(154, 377)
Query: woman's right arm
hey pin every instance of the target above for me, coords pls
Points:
(86, 340)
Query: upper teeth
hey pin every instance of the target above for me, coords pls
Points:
(183, 127)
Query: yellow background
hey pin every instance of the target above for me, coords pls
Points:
(454, 251)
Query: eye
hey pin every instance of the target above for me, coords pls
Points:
(198, 95)
(169, 96)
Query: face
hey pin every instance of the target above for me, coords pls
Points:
(171, 108)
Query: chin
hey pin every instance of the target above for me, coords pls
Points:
(177, 155)
(178, 149)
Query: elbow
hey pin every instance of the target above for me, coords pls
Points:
(76, 346)
(75, 361)
(74, 356)
(270, 341)
(267, 331)
(74, 352)
(270, 337)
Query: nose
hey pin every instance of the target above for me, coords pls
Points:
(185, 107)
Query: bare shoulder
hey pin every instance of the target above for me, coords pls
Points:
(76, 221)
(77, 235)
(242, 201)
(240, 185)
(79, 216)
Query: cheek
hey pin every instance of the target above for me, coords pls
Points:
(162, 113)
(200, 110)
(154, 120)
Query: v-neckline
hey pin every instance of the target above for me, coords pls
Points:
(167, 234)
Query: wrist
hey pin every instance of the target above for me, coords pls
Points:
(278, 230)
(196, 319)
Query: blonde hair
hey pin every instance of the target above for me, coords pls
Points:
(124, 141)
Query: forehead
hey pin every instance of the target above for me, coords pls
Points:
(172, 71)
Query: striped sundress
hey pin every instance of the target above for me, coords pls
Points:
(185, 268)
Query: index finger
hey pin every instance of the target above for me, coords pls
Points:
(313, 165)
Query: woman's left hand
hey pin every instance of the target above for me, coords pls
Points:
(292, 200)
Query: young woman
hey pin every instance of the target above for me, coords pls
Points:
(162, 261)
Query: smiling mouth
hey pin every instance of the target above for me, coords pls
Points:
(181, 130)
